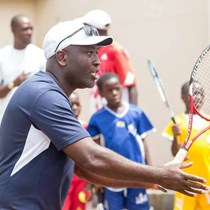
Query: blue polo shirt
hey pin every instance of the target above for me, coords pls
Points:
(38, 124)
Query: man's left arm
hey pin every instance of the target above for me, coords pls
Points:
(148, 159)
(133, 94)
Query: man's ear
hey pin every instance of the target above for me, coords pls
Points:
(61, 57)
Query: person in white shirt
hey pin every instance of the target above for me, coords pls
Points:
(18, 60)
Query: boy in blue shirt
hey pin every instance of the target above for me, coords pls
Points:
(123, 128)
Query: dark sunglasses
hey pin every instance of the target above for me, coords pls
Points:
(89, 31)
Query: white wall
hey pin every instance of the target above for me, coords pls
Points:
(9, 8)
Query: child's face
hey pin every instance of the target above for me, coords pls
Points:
(75, 102)
(112, 91)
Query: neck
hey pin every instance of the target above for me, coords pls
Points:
(19, 46)
(118, 108)
(57, 79)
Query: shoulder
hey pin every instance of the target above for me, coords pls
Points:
(34, 48)
(117, 46)
(97, 116)
(135, 108)
(47, 86)
(35, 52)
(6, 49)
(112, 48)
(181, 118)
(83, 123)
(100, 112)
(138, 112)
(6, 53)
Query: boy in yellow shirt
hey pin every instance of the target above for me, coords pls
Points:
(199, 153)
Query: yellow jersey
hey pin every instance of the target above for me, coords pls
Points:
(199, 154)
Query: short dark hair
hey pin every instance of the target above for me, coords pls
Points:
(102, 79)
(15, 20)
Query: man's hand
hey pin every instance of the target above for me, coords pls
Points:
(21, 78)
(175, 179)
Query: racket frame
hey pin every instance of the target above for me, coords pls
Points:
(160, 88)
(182, 153)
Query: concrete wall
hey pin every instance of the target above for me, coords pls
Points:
(171, 33)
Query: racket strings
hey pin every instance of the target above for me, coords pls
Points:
(201, 84)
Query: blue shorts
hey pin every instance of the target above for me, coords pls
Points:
(130, 198)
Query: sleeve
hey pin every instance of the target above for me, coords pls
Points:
(144, 125)
(51, 113)
(1, 73)
(93, 128)
(123, 67)
(42, 61)
(40, 58)
(167, 133)
(183, 122)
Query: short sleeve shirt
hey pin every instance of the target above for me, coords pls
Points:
(122, 133)
(37, 125)
(199, 152)
(114, 58)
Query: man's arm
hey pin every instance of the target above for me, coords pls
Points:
(175, 144)
(107, 182)
(133, 94)
(4, 90)
(106, 163)
(148, 159)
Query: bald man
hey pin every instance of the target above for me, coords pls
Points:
(18, 60)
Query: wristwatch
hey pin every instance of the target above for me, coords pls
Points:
(11, 85)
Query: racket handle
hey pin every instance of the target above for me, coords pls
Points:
(180, 156)
(173, 120)
(162, 189)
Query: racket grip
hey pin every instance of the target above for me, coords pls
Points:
(180, 156)
(162, 189)
(173, 120)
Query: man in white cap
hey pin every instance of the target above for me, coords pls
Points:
(41, 140)
(114, 58)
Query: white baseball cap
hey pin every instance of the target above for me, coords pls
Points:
(98, 19)
(72, 32)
